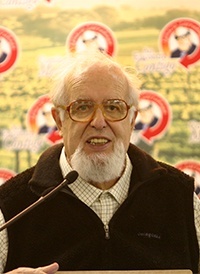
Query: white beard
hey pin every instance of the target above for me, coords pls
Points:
(99, 167)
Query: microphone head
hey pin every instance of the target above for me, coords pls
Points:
(71, 176)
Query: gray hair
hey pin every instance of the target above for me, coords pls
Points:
(72, 67)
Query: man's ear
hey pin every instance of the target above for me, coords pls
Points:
(56, 117)
(133, 119)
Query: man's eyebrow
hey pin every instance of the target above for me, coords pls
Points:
(84, 98)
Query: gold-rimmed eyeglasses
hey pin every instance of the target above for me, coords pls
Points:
(113, 110)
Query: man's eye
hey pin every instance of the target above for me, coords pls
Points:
(112, 108)
(83, 108)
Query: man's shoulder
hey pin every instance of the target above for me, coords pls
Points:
(148, 165)
(52, 152)
(15, 194)
(176, 173)
(20, 183)
(16, 184)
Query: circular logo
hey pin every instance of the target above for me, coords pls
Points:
(8, 49)
(154, 116)
(40, 120)
(92, 35)
(180, 39)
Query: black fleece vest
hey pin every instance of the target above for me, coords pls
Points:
(153, 229)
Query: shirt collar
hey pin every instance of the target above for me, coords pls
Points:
(89, 193)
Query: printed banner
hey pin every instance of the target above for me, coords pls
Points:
(159, 39)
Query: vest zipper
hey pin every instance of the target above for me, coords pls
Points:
(107, 233)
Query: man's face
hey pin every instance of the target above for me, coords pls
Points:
(98, 135)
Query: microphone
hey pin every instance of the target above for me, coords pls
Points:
(69, 178)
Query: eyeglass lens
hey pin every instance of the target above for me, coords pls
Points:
(82, 110)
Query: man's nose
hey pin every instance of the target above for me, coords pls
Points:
(98, 121)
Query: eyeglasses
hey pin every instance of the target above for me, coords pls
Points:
(83, 110)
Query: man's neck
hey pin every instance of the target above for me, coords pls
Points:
(105, 185)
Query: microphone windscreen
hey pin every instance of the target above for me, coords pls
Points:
(71, 176)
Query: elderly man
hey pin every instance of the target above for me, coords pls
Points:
(125, 211)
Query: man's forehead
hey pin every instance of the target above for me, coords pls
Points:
(86, 89)
(96, 70)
